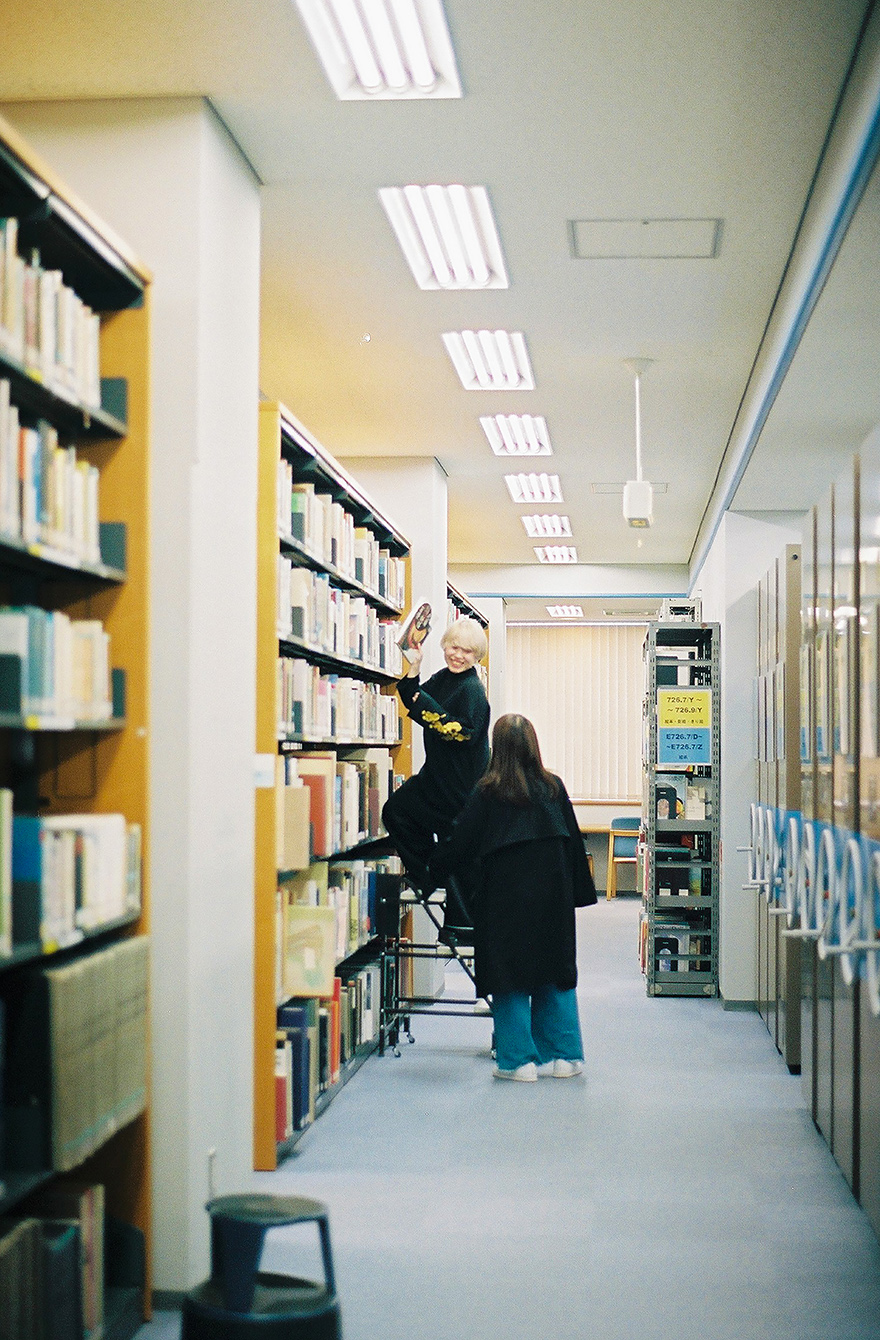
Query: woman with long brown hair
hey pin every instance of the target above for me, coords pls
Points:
(520, 828)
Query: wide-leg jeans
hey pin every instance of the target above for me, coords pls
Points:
(541, 1027)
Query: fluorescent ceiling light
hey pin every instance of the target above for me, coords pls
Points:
(447, 234)
(545, 527)
(559, 553)
(534, 488)
(565, 611)
(490, 360)
(379, 49)
(517, 434)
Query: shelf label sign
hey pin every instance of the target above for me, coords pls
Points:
(684, 725)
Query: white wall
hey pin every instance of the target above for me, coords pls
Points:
(167, 177)
(741, 552)
(412, 493)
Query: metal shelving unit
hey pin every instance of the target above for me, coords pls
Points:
(679, 862)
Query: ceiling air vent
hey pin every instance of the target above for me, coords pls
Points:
(644, 239)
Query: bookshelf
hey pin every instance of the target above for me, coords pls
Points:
(679, 857)
(333, 579)
(74, 483)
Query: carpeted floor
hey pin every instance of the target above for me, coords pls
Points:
(678, 1189)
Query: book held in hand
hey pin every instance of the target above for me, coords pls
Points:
(414, 629)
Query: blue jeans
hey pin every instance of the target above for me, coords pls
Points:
(542, 1027)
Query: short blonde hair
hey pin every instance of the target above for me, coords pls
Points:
(468, 634)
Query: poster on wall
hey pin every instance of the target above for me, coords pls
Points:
(684, 726)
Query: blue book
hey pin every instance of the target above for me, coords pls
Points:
(27, 878)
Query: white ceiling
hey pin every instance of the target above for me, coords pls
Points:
(572, 109)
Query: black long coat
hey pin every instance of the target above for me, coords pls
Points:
(531, 874)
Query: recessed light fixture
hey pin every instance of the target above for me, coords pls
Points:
(379, 49)
(565, 611)
(447, 234)
(545, 527)
(559, 553)
(490, 360)
(517, 434)
(534, 488)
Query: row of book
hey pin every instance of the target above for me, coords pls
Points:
(678, 946)
(48, 495)
(316, 1039)
(678, 795)
(55, 666)
(45, 326)
(324, 914)
(327, 531)
(334, 621)
(52, 1265)
(76, 1055)
(327, 804)
(64, 875)
(312, 704)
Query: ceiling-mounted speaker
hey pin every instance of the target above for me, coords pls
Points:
(638, 503)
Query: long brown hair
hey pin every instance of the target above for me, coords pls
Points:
(516, 773)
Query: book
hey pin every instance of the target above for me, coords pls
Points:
(414, 629)
(60, 1294)
(20, 1279)
(83, 1204)
(310, 950)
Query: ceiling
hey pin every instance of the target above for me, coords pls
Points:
(572, 110)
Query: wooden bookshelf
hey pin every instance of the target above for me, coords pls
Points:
(101, 767)
(281, 436)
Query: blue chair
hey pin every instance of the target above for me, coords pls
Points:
(623, 838)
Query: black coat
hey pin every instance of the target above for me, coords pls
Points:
(531, 874)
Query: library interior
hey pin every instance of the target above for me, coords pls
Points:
(286, 292)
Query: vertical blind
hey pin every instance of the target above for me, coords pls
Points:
(582, 688)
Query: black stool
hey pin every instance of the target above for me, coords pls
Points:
(239, 1301)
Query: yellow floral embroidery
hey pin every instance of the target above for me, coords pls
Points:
(451, 729)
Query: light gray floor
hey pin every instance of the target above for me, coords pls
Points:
(678, 1189)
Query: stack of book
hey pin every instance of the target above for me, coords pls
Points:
(48, 496)
(317, 1037)
(345, 800)
(66, 874)
(330, 620)
(316, 706)
(327, 531)
(45, 327)
(54, 666)
(76, 1065)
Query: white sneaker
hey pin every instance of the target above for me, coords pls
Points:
(527, 1072)
(566, 1069)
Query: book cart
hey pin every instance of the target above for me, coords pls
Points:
(74, 732)
(680, 840)
(333, 579)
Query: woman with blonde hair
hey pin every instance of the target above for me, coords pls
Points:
(532, 872)
(453, 711)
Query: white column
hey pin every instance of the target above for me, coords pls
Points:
(167, 177)
(742, 551)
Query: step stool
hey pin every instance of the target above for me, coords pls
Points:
(239, 1301)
